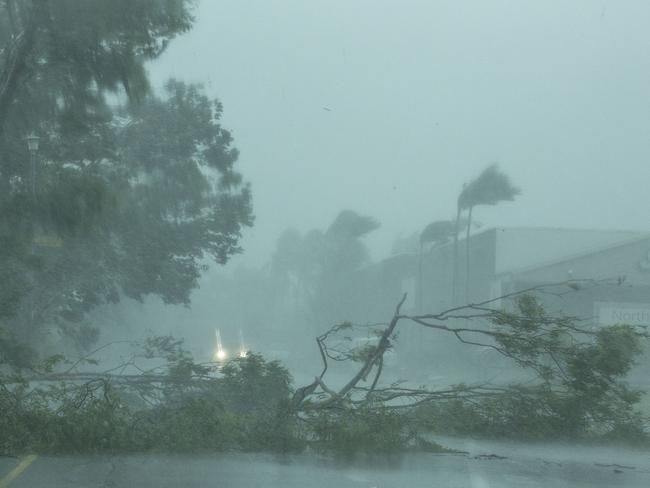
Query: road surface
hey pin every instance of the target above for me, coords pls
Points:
(486, 465)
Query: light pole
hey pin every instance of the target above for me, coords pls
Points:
(32, 146)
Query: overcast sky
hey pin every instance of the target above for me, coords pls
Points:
(387, 107)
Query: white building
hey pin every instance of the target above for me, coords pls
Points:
(505, 260)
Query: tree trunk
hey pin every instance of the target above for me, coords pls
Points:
(454, 279)
(420, 294)
(469, 225)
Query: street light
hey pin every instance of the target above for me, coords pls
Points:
(33, 142)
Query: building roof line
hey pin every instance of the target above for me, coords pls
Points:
(571, 257)
(636, 233)
(569, 229)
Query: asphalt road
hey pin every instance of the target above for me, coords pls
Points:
(486, 465)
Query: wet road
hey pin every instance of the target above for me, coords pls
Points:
(486, 465)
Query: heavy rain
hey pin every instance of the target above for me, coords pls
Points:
(305, 243)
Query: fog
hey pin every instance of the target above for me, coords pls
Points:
(389, 108)
(420, 96)
(399, 242)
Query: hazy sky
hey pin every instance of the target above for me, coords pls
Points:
(421, 96)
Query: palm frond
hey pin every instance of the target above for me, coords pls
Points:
(489, 188)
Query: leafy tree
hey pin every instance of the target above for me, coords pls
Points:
(437, 233)
(70, 53)
(138, 220)
(129, 200)
(314, 267)
(345, 250)
(350, 225)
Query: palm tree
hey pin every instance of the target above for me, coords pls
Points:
(489, 188)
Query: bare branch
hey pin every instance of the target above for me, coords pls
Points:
(381, 349)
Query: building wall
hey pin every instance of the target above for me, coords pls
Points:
(496, 252)
(377, 288)
(604, 301)
(436, 279)
(497, 255)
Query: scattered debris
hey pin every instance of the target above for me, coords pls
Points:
(619, 466)
(551, 462)
(489, 456)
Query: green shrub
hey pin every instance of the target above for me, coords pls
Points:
(364, 430)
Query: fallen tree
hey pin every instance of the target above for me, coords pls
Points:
(577, 386)
(159, 398)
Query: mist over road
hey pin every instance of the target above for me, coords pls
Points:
(486, 464)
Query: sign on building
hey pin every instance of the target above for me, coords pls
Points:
(611, 313)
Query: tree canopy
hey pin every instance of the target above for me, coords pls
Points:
(132, 194)
(70, 53)
(313, 269)
(489, 188)
(438, 232)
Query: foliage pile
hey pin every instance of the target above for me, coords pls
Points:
(351, 431)
(244, 405)
(585, 398)
(182, 407)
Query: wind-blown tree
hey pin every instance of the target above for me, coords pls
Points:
(437, 233)
(346, 250)
(71, 53)
(491, 187)
(58, 60)
(314, 267)
(140, 219)
(133, 199)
